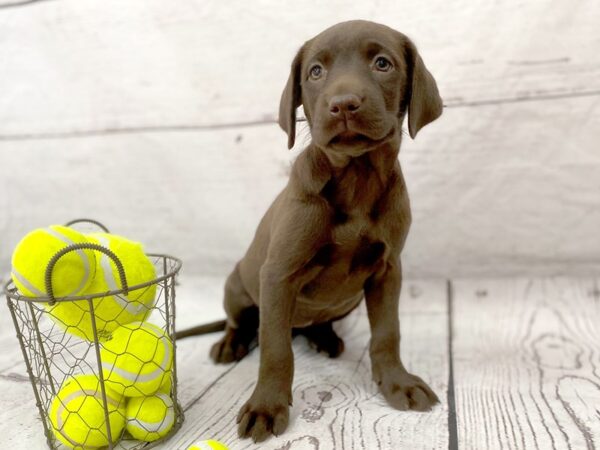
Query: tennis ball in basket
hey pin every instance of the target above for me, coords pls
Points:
(207, 445)
(165, 387)
(137, 359)
(72, 274)
(77, 413)
(113, 310)
(150, 418)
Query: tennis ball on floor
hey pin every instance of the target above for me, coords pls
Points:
(78, 417)
(137, 359)
(150, 418)
(111, 311)
(72, 274)
(207, 445)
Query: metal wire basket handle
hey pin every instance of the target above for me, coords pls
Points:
(94, 222)
(83, 246)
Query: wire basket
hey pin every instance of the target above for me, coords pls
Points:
(54, 354)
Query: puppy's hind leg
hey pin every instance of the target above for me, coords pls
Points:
(323, 338)
(242, 322)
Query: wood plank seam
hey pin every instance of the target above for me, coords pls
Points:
(208, 388)
(18, 4)
(452, 425)
(260, 122)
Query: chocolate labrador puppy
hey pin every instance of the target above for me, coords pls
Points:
(335, 233)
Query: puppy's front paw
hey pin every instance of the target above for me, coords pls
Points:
(262, 416)
(405, 391)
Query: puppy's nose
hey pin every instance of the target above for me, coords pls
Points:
(342, 104)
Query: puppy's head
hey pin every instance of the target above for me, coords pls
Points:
(356, 81)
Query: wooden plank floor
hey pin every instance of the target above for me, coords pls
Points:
(522, 355)
(336, 405)
(527, 363)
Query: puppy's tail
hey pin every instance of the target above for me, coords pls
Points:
(206, 328)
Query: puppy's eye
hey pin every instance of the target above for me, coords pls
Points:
(383, 64)
(316, 72)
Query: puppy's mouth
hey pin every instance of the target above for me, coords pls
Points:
(352, 140)
(347, 138)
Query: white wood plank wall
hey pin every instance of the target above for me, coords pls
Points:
(158, 118)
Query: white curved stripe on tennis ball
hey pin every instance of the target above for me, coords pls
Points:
(109, 278)
(82, 255)
(25, 282)
(68, 399)
(156, 427)
(86, 266)
(138, 377)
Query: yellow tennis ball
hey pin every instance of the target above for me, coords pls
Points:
(150, 418)
(137, 359)
(207, 445)
(111, 311)
(78, 417)
(72, 274)
(165, 387)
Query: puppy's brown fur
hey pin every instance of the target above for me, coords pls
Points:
(335, 233)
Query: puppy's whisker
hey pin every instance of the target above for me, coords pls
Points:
(305, 133)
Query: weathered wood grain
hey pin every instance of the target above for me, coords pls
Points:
(526, 363)
(20, 428)
(196, 195)
(114, 105)
(20, 423)
(335, 402)
(336, 405)
(5, 4)
(483, 197)
(108, 65)
(525, 368)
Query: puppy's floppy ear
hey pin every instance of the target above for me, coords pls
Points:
(425, 104)
(291, 98)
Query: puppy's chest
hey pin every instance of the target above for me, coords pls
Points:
(358, 238)
(359, 244)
